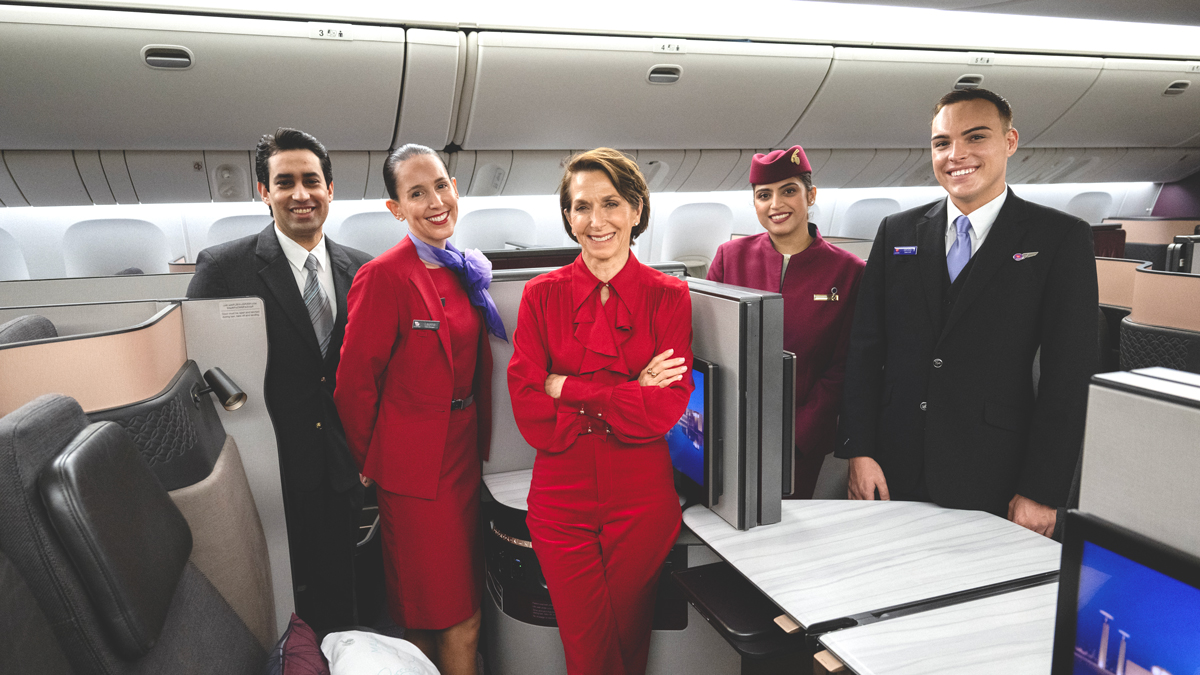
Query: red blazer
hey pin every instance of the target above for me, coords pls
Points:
(560, 330)
(394, 383)
(816, 331)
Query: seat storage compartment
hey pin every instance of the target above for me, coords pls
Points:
(546, 92)
(78, 79)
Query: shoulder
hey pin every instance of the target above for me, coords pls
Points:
(1047, 216)
(544, 284)
(357, 257)
(840, 258)
(231, 251)
(741, 245)
(914, 214)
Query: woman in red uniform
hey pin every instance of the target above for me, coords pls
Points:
(414, 395)
(819, 283)
(597, 379)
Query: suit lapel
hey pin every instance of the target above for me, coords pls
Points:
(1001, 240)
(343, 276)
(278, 278)
(433, 302)
(931, 236)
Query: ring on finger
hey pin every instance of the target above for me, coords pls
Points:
(652, 373)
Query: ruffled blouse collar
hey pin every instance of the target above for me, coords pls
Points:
(600, 335)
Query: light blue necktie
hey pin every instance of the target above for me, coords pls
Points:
(319, 311)
(960, 251)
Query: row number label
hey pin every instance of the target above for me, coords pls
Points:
(330, 31)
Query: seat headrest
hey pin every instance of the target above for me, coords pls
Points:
(121, 530)
(25, 328)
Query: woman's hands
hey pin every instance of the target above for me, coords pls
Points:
(662, 370)
(554, 385)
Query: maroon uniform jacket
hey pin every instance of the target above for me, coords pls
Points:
(816, 328)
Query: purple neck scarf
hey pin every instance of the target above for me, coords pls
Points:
(475, 273)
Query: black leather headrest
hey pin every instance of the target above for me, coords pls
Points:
(25, 328)
(125, 536)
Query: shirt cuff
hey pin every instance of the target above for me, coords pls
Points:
(588, 398)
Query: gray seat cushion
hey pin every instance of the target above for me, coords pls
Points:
(25, 328)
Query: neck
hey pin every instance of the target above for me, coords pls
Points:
(436, 243)
(793, 243)
(968, 207)
(605, 270)
(309, 242)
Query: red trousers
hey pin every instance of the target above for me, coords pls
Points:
(603, 515)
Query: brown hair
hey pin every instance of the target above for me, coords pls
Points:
(399, 156)
(622, 172)
(979, 94)
(805, 178)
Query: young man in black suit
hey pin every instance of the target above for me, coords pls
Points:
(956, 299)
(302, 278)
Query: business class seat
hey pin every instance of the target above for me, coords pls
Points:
(12, 260)
(862, 219)
(88, 530)
(692, 234)
(1108, 240)
(490, 229)
(373, 232)
(103, 247)
(26, 328)
(235, 227)
(1144, 346)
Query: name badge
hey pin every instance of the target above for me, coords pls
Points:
(426, 325)
(904, 250)
(831, 296)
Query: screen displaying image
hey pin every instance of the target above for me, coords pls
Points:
(686, 438)
(1134, 620)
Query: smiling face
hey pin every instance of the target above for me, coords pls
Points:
(427, 199)
(297, 194)
(971, 148)
(782, 207)
(600, 218)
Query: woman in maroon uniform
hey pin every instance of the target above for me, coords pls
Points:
(598, 377)
(819, 283)
(414, 394)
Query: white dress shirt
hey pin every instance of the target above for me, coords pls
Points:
(981, 219)
(297, 255)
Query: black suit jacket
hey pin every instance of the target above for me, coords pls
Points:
(950, 398)
(300, 383)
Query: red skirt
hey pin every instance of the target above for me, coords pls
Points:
(432, 559)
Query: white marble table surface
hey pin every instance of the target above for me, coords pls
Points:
(832, 559)
(1000, 635)
(510, 488)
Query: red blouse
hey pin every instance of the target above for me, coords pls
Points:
(563, 328)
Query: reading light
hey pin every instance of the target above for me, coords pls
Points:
(226, 390)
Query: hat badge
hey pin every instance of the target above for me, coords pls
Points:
(795, 157)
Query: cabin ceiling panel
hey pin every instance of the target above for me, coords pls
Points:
(1128, 106)
(535, 172)
(47, 178)
(883, 98)
(433, 75)
(93, 86)
(168, 177)
(350, 170)
(542, 92)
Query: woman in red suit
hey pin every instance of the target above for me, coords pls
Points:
(597, 379)
(819, 283)
(414, 395)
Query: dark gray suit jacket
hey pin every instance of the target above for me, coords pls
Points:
(949, 398)
(300, 383)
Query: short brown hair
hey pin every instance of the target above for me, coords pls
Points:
(289, 139)
(622, 172)
(979, 94)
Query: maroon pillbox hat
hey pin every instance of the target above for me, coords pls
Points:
(778, 165)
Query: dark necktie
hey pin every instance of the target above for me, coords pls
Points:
(317, 304)
(960, 251)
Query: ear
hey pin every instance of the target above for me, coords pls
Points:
(1010, 140)
(394, 207)
(454, 186)
(264, 193)
(812, 195)
(331, 191)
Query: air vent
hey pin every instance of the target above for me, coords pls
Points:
(664, 74)
(167, 57)
(968, 82)
(1177, 87)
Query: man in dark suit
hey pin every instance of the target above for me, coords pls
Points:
(302, 278)
(956, 299)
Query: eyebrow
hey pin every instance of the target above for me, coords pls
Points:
(310, 174)
(968, 131)
(790, 183)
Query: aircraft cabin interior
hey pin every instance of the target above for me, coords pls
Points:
(143, 499)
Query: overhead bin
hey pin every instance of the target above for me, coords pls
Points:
(884, 98)
(535, 172)
(91, 79)
(1134, 103)
(543, 92)
(433, 76)
(47, 178)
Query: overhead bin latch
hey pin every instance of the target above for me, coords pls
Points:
(968, 82)
(664, 74)
(168, 57)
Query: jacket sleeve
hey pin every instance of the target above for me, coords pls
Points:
(534, 410)
(208, 281)
(1069, 358)
(865, 357)
(816, 412)
(640, 414)
(716, 271)
(373, 321)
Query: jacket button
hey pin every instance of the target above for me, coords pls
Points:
(322, 379)
(319, 424)
(937, 363)
(923, 406)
